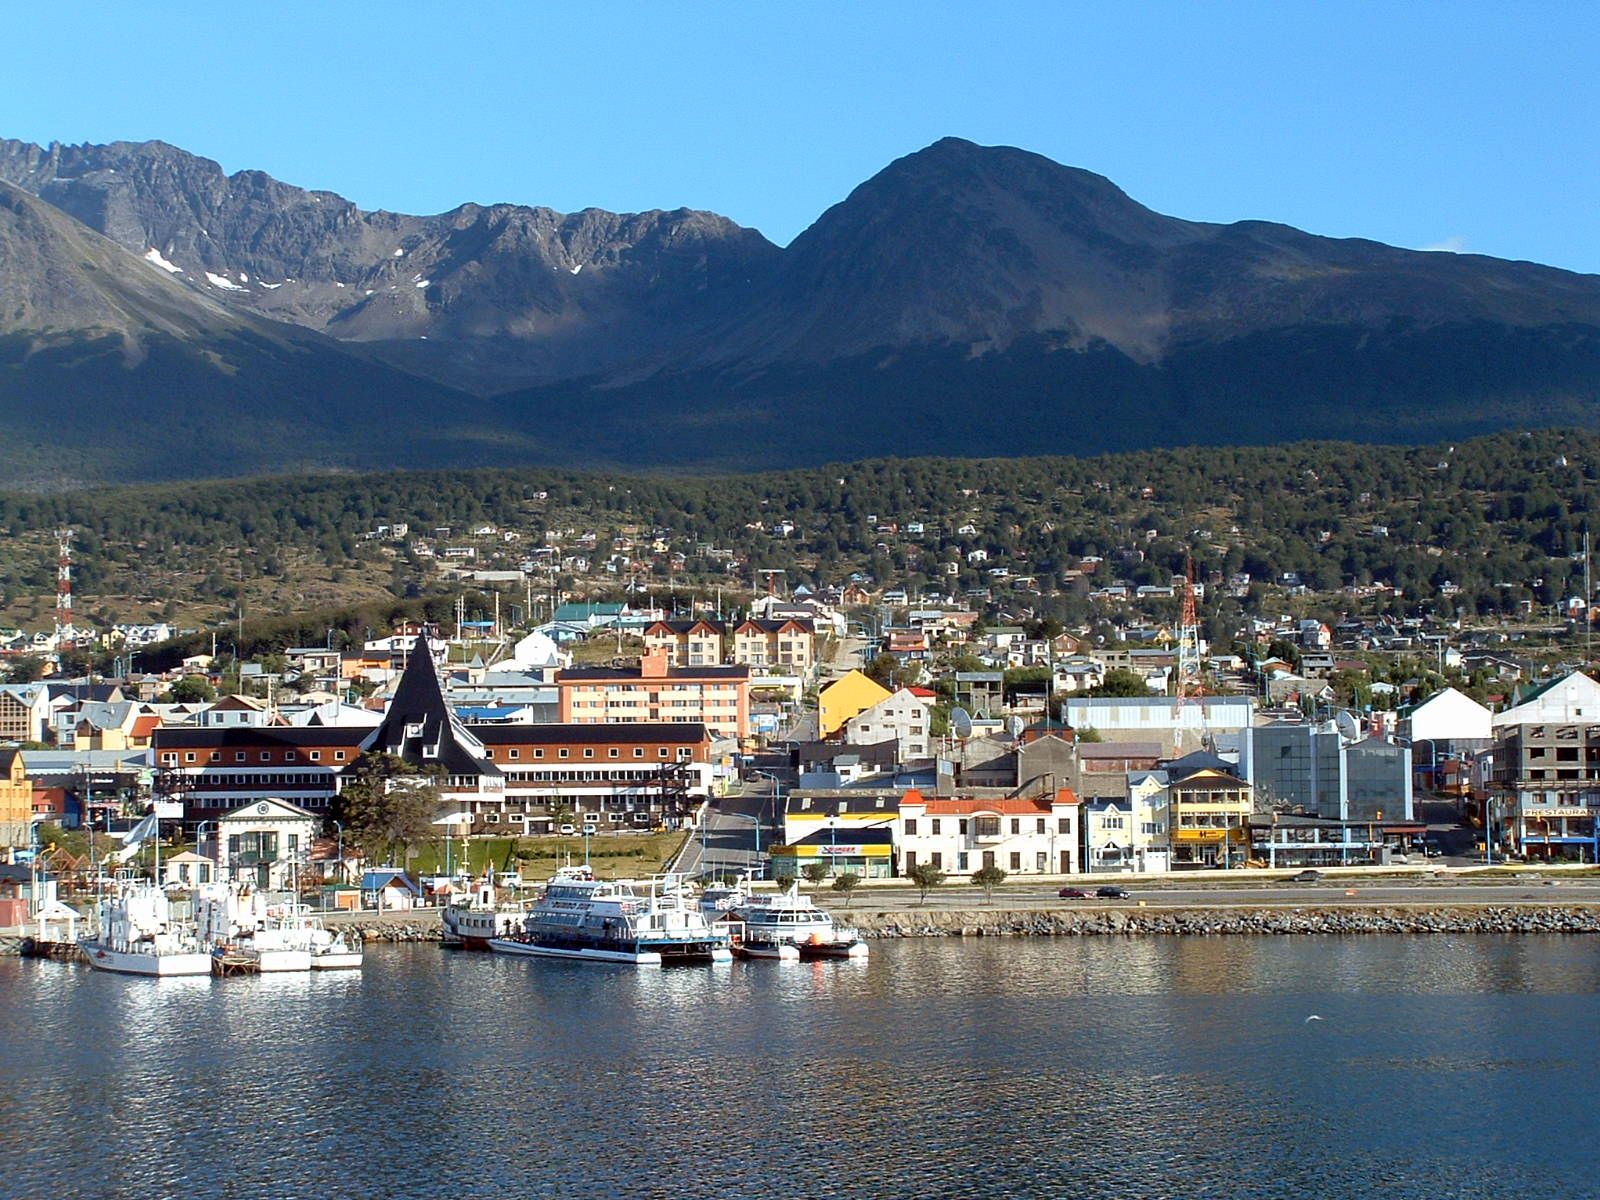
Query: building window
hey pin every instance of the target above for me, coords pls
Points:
(513, 753)
(238, 756)
(266, 756)
(563, 753)
(661, 751)
(290, 756)
(1040, 828)
(338, 756)
(936, 830)
(1063, 824)
(613, 752)
(588, 751)
(937, 859)
(1016, 860)
(911, 827)
(1016, 824)
(538, 753)
(316, 756)
(188, 756)
(638, 751)
(216, 756)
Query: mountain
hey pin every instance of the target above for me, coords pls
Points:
(966, 299)
(485, 297)
(111, 369)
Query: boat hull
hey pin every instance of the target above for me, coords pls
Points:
(337, 960)
(155, 966)
(778, 951)
(642, 958)
(856, 949)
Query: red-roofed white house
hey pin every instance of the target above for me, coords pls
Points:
(1023, 835)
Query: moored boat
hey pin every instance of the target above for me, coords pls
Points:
(482, 917)
(790, 919)
(591, 920)
(137, 934)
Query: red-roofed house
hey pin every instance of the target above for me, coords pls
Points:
(1022, 835)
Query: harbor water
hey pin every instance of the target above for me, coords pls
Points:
(1181, 1067)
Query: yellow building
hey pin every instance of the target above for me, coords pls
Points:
(16, 799)
(844, 698)
(1208, 812)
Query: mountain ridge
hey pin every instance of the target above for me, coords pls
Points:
(962, 296)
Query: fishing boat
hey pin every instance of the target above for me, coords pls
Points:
(246, 935)
(791, 920)
(616, 921)
(481, 917)
(137, 934)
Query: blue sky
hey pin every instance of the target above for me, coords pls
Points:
(1422, 124)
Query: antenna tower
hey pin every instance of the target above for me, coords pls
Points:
(66, 636)
(1190, 687)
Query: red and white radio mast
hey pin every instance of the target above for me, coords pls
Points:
(66, 636)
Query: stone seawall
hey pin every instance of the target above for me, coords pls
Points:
(1226, 921)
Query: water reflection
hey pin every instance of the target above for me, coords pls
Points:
(1085, 1067)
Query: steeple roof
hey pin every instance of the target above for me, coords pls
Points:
(421, 727)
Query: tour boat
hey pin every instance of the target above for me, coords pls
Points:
(789, 919)
(591, 920)
(138, 935)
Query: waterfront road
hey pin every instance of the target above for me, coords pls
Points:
(1355, 892)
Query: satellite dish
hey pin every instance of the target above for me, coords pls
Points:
(1014, 726)
(961, 722)
(1347, 726)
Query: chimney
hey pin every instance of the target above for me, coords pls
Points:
(654, 662)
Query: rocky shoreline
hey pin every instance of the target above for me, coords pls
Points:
(1229, 921)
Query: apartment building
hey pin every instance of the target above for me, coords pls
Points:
(655, 692)
(775, 647)
(697, 643)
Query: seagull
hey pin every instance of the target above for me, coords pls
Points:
(1312, 1017)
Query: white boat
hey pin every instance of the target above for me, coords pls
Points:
(248, 935)
(335, 950)
(790, 919)
(591, 920)
(138, 935)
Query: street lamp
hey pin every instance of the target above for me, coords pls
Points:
(340, 827)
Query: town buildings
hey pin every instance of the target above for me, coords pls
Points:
(1022, 835)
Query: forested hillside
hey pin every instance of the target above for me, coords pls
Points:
(1501, 518)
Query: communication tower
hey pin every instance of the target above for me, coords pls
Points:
(1189, 703)
(66, 636)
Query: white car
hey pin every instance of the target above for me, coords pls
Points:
(567, 829)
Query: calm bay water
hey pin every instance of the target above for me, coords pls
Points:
(1095, 1068)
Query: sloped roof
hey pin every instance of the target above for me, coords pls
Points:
(422, 729)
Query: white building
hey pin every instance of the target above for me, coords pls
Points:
(1021, 835)
(904, 716)
(1575, 698)
(262, 843)
(1448, 719)
(1129, 833)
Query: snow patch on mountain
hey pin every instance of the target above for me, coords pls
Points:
(155, 258)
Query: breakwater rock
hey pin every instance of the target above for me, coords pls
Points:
(1227, 921)
(392, 927)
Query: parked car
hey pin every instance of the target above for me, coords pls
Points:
(568, 829)
(1308, 876)
(1111, 891)
(1070, 893)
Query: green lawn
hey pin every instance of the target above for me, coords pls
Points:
(616, 856)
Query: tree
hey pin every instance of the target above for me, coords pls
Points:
(27, 669)
(926, 877)
(988, 878)
(386, 805)
(192, 689)
(1119, 681)
(815, 872)
(784, 882)
(52, 837)
(845, 883)
(1088, 734)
